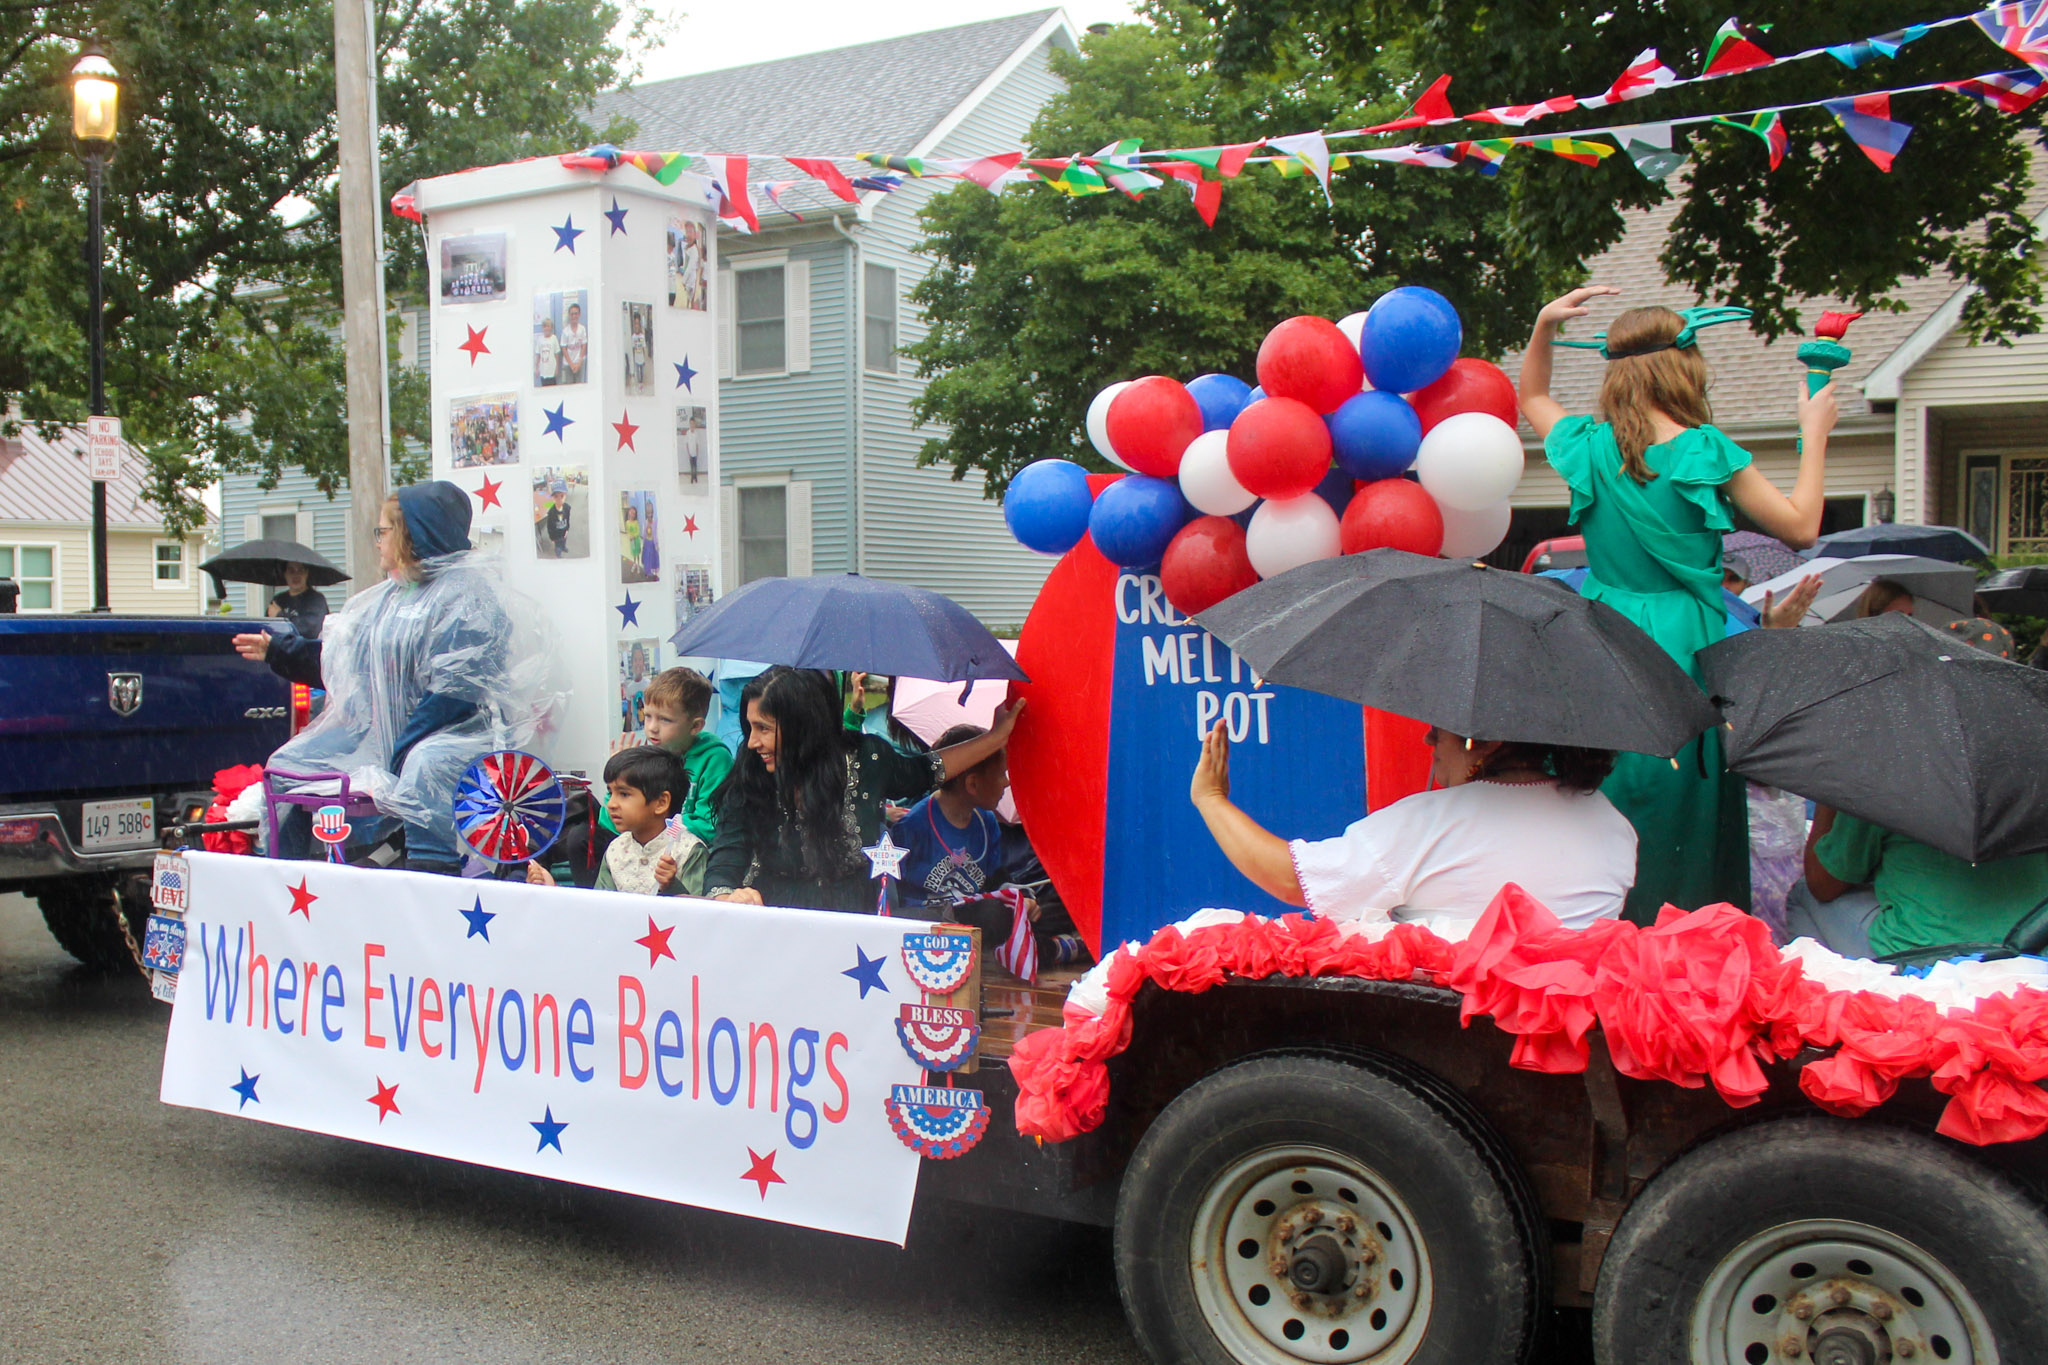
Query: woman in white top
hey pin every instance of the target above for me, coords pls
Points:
(1502, 812)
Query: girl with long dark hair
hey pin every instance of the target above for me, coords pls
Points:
(805, 795)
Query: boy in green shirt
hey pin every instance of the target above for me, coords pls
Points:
(678, 700)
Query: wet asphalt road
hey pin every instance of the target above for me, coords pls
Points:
(138, 1232)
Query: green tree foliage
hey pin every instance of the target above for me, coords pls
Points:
(221, 317)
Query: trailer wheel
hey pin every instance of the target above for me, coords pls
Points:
(1307, 1208)
(1834, 1242)
(87, 918)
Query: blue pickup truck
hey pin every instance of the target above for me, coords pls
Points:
(111, 729)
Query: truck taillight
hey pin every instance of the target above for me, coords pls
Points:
(302, 706)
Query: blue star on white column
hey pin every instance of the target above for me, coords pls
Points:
(629, 611)
(566, 234)
(616, 216)
(867, 971)
(684, 374)
(559, 420)
(479, 921)
(246, 1088)
(550, 1129)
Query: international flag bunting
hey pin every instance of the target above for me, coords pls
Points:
(665, 167)
(1649, 146)
(1768, 126)
(1290, 167)
(1867, 120)
(1854, 55)
(1438, 157)
(1071, 177)
(1221, 163)
(1515, 115)
(1646, 75)
(406, 203)
(1118, 167)
(992, 173)
(1208, 193)
(738, 203)
(1735, 48)
(2020, 29)
(1433, 106)
(2008, 93)
(905, 165)
(1486, 154)
(821, 168)
(1312, 151)
(876, 184)
(770, 191)
(1574, 149)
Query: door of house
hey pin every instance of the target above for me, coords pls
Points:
(2005, 501)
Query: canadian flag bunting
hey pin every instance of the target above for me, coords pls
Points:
(822, 169)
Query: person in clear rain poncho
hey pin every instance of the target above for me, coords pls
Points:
(430, 668)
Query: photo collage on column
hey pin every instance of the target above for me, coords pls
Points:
(689, 289)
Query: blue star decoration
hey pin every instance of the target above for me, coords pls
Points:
(567, 233)
(629, 611)
(479, 921)
(246, 1088)
(559, 420)
(616, 216)
(550, 1130)
(684, 374)
(867, 971)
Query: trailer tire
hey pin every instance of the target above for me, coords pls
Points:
(1844, 1239)
(86, 918)
(1318, 1208)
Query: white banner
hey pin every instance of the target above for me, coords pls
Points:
(725, 1056)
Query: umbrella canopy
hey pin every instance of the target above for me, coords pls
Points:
(847, 621)
(1479, 651)
(2023, 590)
(263, 561)
(1894, 721)
(1757, 556)
(1950, 543)
(1941, 591)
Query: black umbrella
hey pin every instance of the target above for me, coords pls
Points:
(263, 561)
(1894, 721)
(846, 621)
(2023, 591)
(1951, 543)
(1479, 651)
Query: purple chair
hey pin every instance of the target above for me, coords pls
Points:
(354, 804)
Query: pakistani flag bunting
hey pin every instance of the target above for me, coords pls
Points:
(1736, 47)
(2021, 29)
(2007, 92)
(1649, 146)
(1769, 126)
(1867, 119)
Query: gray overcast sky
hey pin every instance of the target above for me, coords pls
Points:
(720, 33)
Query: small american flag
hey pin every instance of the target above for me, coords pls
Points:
(1019, 952)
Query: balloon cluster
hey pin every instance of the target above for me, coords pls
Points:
(1226, 484)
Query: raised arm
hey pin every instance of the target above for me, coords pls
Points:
(1259, 854)
(955, 759)
(1794, 520)
(1543, 411)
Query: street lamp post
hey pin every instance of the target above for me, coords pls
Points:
(95, 98)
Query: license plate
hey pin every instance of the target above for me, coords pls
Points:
(118, 824)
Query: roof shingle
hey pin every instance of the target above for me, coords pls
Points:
(47, 481)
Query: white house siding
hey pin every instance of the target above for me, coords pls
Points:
(1859, 463)
(131, 567)
(920, 526)
(1990, 399)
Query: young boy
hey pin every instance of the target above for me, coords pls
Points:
(646, 786)
(556, 519)
(678, 700)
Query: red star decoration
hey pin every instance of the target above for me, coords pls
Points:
(302, 901)
(762, 1172)
(488, 494)
(690, 526)
(655, 941)
(475, 345)
(624, 426)
(386, 1100)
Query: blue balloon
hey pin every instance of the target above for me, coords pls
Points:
(1047, 505)
(1221, 397)
(1256, 394)
(1135, 518)
(1336, 489)
(1411, 336)
(1375, 434)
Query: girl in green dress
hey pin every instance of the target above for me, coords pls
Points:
(1651, 480)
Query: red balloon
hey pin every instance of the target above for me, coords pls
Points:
(1151, 422)
(1098, 482)
(1392, 514)
(1468, 386)
(1279, 448)
(1205, 564)
(1310, 359)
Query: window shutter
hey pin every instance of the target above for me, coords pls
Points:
(797, 309)
(728, 539)
(728, 335)
(305, 532)
(799, 531)
(252, 526)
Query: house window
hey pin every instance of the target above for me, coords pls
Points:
(759, 316)
(879, 292)
(34, 567)
(280, 525)
(2026, 506)
(170, 563)
(764, 532)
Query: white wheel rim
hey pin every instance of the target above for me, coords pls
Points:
(1282, 1205)
(1836, 1293)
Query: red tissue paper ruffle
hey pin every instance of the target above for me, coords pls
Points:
(228, 784)
(1700, 998)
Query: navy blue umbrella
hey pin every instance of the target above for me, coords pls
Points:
(844, 621)
(1951, 543)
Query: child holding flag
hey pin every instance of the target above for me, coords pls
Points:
(655, 853)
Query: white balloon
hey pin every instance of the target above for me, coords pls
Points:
(1470, 461)
(1468, 535)
(1098, 423)
(1354, 327)
(1206, 480)
(1290, 533)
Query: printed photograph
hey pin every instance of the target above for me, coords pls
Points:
(693, 591)
(561, 511)
(687, 259)
(693, 450)
(484, 430)
(639, 539)
(561, 338)
(639, 661)
(636, 345)
(473, 268)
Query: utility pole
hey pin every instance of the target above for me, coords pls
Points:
(362, 281)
